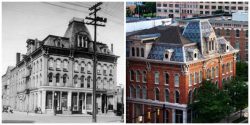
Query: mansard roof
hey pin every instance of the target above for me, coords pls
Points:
(166, 34)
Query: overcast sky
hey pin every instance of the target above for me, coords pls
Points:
(21, 21)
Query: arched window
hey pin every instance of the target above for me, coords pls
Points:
(144, 92)
(190, 97)
(157, 94)
(196, 77)
(200, 78)
(41, 64)
(227, 32)
(41, 80)
(88, 81)
(138, 91)
(228, 67)
(82, 81)
(105, 69)
(142, 52)
(58, 64)
(166, 95)
(132, 75)
(137, 52)
(50, 77)
(223, 69)
(65, 79)
(89, 67)
(111, 70)
(111, 84)
(75, 80)
(65, 65)
(98, 69)
(157, 75)
(144, 76)
(105, 85)
(133, 51)
(137, 76)
(176, 80)
(82, 67)
(177, 96)
(51, 61)
(190, 79)
(57, 78)
(237, 33)
(166, 78)
(76, 66)
(213, 70)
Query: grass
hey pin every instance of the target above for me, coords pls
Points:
(239, 120)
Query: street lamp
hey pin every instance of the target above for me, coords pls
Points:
(55, 105)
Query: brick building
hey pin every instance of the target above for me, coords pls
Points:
(194, 9)
(57, 73)
(234, 31)
(165, 66)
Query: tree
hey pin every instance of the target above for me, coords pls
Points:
(238, 92)
(128, 12)
(210, 104)
(242, 70)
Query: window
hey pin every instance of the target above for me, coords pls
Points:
(82, 67)
(88, 82)
(166, 95)
(207, 7)
(246, 33)
(137, 76)
(213, 7)
(57, 78)
(137, 52)
(158, 5)
(240, 8)
(166, 78)
(228, 67)
(165, 5)
(50, 77)
(75, 80)
(157, 77)
(138, 92)
(200, 78)
(231, 66)
(217, 71)
(176, 80)
(227, 32)
(142, 52)
(208, 74)
(64, 79)
(157, 94)
(196, 77)
(213, 70)
(132, 75)
(89, 67)
(131, 91)
(99, 69)
(76, 66)
(223, 69)
(105, 70)
(201, 6)
(177, 96)
(144, 92)
(190, 79)
(144, 76)
(82, 81)
(65, 65)
(51, 63)
(133, 51)
(237, 44)
(237, 33)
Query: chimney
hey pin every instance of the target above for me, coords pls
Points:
(18, 57)
(112, 47)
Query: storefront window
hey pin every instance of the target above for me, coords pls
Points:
(48, 100)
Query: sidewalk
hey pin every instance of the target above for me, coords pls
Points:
(234, 116)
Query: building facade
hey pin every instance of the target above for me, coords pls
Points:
(194, 9)
(234, 31)
(165, 66)
(57, 74)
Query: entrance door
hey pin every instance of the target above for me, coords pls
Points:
(104, 103)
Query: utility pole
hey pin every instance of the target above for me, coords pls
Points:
(94, 21)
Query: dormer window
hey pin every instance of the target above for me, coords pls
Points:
(82, 41)
(168, 53)
(193, 53)
(227, 48)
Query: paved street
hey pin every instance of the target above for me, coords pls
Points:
(21, 117)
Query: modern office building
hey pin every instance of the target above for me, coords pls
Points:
(194, 9)
(57, 73)
(165, 66)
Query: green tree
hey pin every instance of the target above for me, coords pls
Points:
(210, 104)
(242, 70)
(128, 12)
(238, 92)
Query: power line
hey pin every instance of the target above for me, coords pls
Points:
(63, 7)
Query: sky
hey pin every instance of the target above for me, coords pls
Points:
(30, 20)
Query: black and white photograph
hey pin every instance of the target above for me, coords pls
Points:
(63, 62)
